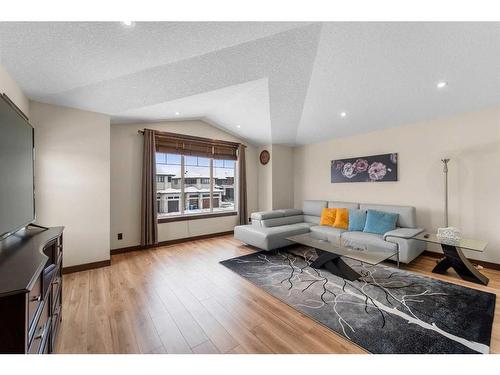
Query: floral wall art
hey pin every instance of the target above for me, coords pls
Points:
(374, 168)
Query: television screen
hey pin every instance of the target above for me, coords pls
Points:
(17, 205)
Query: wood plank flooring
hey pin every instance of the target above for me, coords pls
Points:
(179, 299)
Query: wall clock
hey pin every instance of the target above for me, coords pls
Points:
(264, 157)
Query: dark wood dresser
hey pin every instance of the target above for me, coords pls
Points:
(30, 290)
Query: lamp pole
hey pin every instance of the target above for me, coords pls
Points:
(445, 170)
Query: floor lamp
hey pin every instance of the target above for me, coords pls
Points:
(445, 170)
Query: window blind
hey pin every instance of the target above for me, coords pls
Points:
(195, 146)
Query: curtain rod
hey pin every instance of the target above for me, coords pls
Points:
(141, 131)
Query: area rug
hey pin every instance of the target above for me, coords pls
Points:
(388, 310)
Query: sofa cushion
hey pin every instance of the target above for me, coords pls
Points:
(264, 215)
(380, 222)
(287, 230)
(290, 211)
(406, 218)
(343, 204)
(357, 219)
(342, 218)
(368, 241)
(327, 216)
(268, 238)
(313, 208)
(285, 220)
(326, 232)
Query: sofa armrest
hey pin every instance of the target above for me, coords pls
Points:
(265, 215)
(403, 232)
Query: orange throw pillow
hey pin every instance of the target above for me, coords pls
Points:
(327, 216)
(342, 218)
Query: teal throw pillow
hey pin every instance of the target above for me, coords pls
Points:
(380, 222)
(357, 219)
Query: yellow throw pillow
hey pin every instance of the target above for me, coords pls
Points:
(342, 218)
(327, 216)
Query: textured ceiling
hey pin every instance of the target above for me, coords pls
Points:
(262, 81)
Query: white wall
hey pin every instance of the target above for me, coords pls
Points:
(472, 141)
(72, 170)
(265, 181)
(282, 157)
(276, 178)
(13, 91)
(126, 170)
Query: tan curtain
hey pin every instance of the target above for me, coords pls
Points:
(242, 186)
(149, 220)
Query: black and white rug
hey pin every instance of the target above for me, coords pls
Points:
(387, 311)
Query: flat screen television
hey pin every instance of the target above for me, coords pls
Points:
(17, 200)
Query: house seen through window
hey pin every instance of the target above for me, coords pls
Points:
(194, 185)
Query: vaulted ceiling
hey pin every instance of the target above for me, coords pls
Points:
(266, 82)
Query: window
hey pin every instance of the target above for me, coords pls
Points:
(168, 185)
(223, 172)
(190, 185)
(196, 169)
(189, 181)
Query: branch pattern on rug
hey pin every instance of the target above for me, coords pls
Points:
(386, 311)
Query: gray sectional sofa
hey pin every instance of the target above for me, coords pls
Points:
(269, 229)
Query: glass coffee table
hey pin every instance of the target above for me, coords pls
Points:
(330, 255)
(455, 258)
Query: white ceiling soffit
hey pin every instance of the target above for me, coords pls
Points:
(285, 59)
(279, 82)
(242, 110)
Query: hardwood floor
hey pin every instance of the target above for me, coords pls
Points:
(178, 299)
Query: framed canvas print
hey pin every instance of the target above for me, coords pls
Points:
(375, 168)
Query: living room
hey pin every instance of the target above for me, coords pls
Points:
(249, 187)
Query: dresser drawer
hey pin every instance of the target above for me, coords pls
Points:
(58, 250)
(55, 322)
(46, 348)
(42, 345)
(39, 334)
(56, 292)
(34, 300)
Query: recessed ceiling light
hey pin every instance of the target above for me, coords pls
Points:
(441, 84)
(177, 113)
(128, 23)
(238, 126)
(343, 114)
